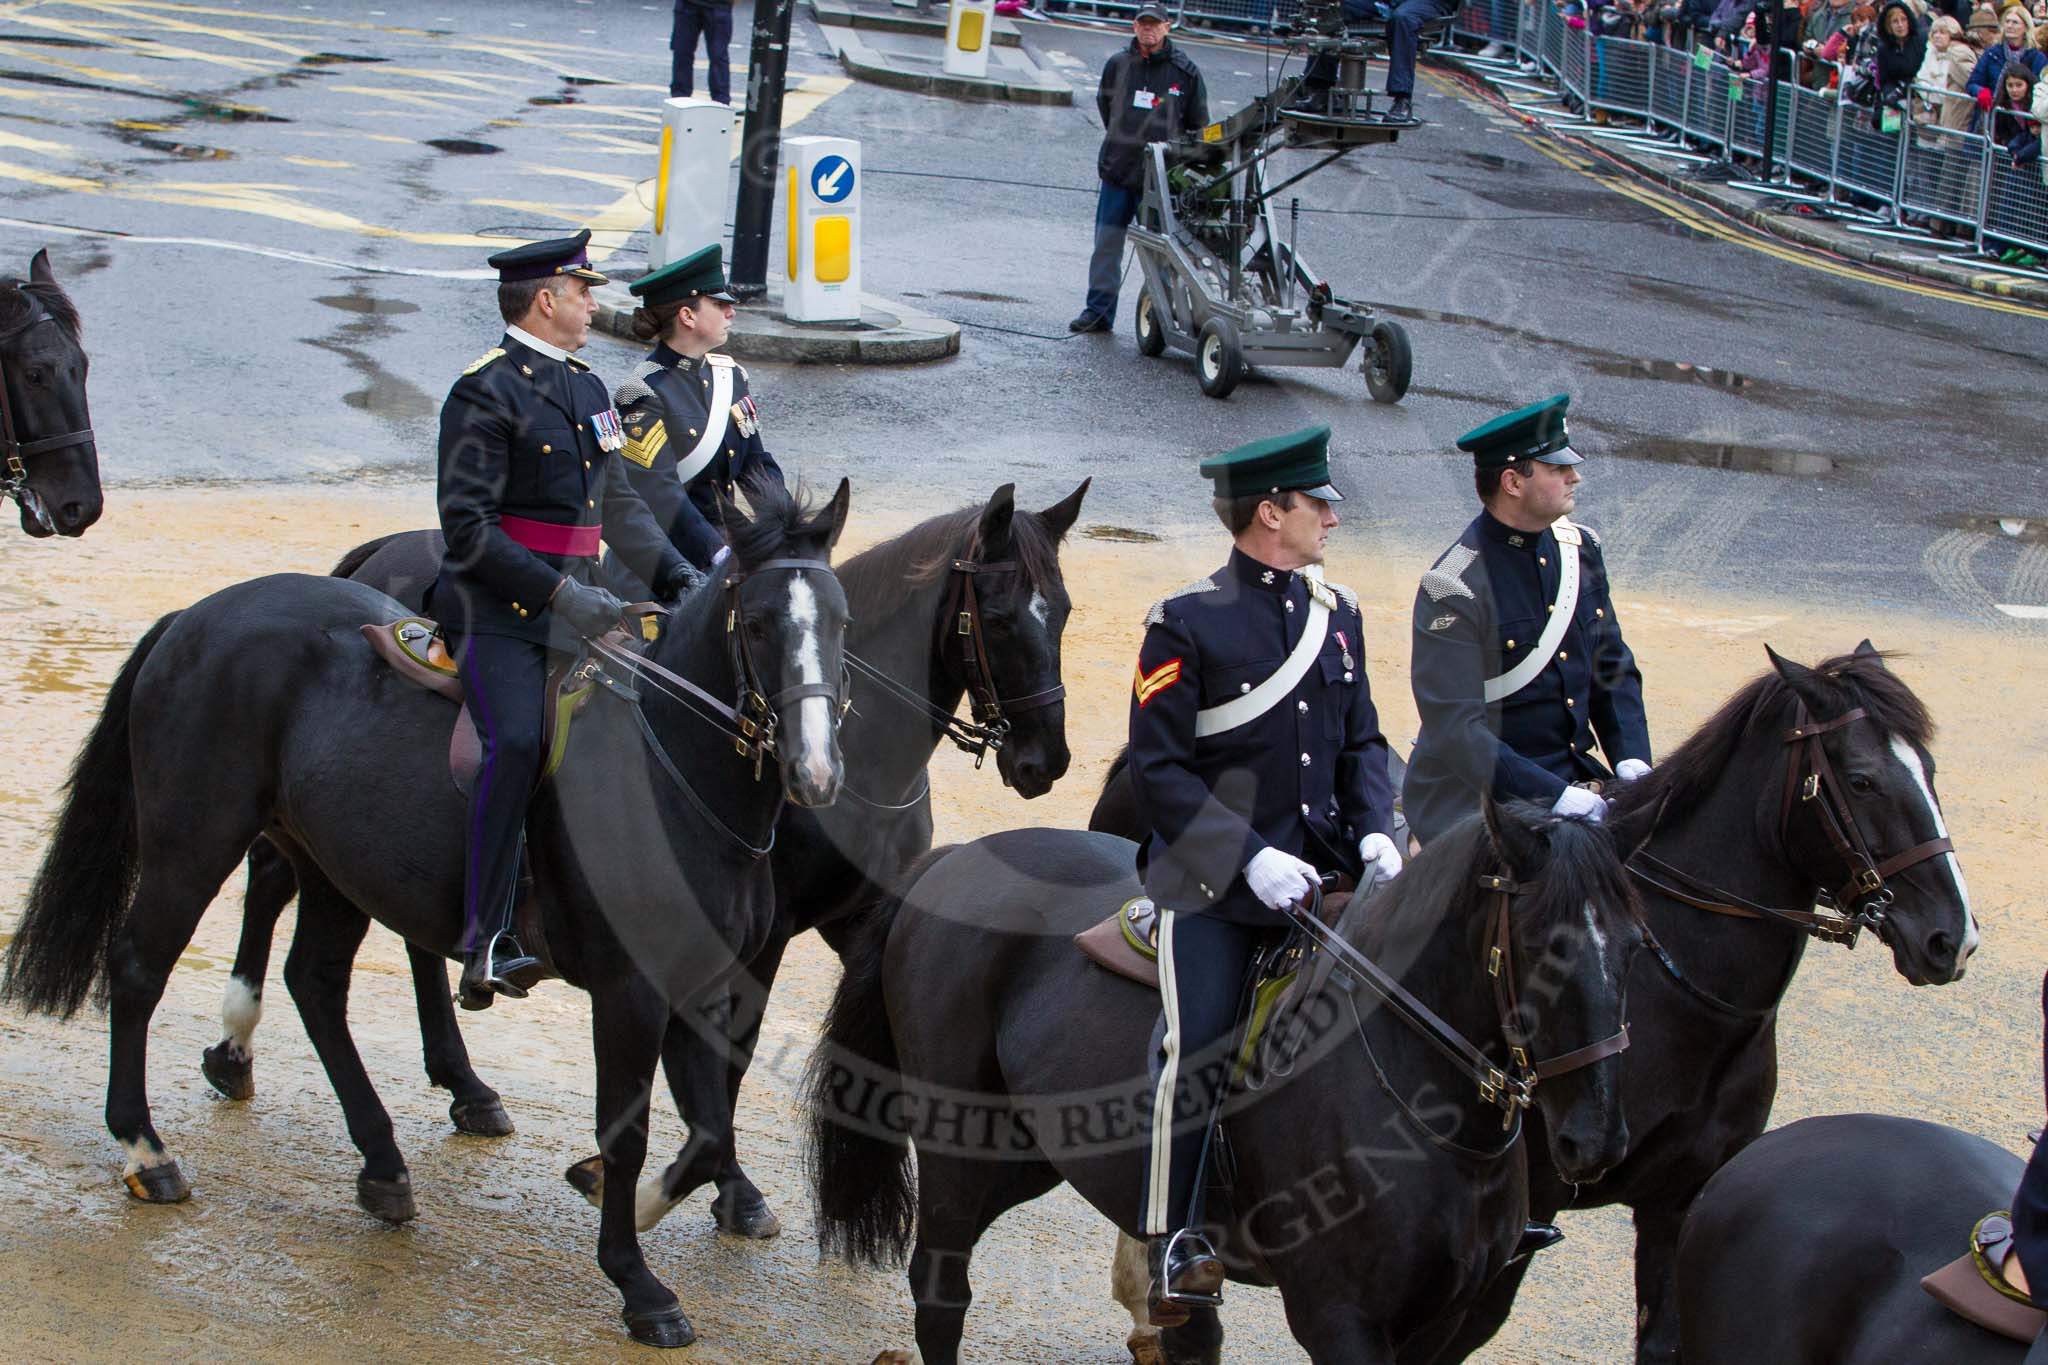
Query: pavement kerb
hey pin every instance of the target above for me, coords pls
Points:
(1799, 231)
(891, 333)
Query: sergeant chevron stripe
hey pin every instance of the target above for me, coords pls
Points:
(1150, 685)
(641, 449)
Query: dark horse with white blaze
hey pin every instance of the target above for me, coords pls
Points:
(910, 667)
(1808, 1247)
(647, 845)
(1377, 1186)
(1808, 783)
(48, 461)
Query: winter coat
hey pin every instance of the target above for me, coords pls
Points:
(1985, 75)
(2013, 126)
(1949, 71)
(1898, 63)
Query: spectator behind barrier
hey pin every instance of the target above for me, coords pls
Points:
(1823, 22)
(1947, 66)
(1853, 49)
(1901, 48)
(2014, 45)
(1982, 28)
(2012, 119)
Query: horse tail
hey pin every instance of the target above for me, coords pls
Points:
(355, 559)
(858, 1152)
(82, 891)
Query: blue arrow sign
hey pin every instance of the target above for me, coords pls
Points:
(832, 179)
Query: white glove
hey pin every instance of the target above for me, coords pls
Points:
(1378, 853)
(724, 553)
(1579, 801)
(1629, 769)
(1279, 879)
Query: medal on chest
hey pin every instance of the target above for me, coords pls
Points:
(1344, 645)
(746, 417)
(611, 433)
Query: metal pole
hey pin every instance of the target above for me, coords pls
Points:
(1771, 91)
(760, 147)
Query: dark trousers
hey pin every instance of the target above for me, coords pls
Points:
(505, 679)
(1404, 39)
(714, 24)
(1203, 963)
(1115, 207)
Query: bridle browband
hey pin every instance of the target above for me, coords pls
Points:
(1510, 1088)
(1862, 899)
(14, 452)
(960, 624)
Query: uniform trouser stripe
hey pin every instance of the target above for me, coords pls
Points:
(1157, 1191)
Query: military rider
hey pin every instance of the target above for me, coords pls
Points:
(692, 429)
(1256, 759)
(527, 487)
(1518, 663)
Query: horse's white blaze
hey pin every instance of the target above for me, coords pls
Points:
(816, 712)
(241, 1009)
(1910, 759)
(143, 1157)
(1599, 939)
(1041, 611)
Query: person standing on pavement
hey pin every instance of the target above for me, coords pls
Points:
(712, 21)
(527, 489)
(1517, 660)
(1150, 92)
(693, 432)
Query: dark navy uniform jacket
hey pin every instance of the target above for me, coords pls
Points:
(1479, 612)
(519, 439)
(666, 405)
(1309, 776)
(2030, 1200)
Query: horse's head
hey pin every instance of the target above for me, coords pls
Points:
(47, 457)
(1023, 612)
(1860, 826)
(786, 620)
(1573, 925)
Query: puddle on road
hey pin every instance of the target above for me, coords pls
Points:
(1125, 534)
(49, 40)
(336, 59)
(1724, 455)
(143, 135)
(462, 146)
(228, 113)
(586, 80)
(363, 303)
(555, 99)
(393, 399)
(1676, 372)
(979, 296)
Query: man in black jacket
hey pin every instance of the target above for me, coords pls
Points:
(1151, 92)
(528, 486)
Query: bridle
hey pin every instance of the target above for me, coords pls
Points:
(1510, 1088)
(750, 721)
(1841, 913)
(15, 452)
(960, 641)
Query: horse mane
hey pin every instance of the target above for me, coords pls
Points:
(875, 578)
(17, 313)
(1764, 706)
(778, 517)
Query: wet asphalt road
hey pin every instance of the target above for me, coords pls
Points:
(310, 189)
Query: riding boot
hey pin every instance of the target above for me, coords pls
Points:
(1536, 1237)
(1186, 1273)
(499, 966)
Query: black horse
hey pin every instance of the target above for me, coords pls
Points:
(912, 674)
(1379, 1188)
(1734, 806)
(48, 462)
(1808, 1247)
(647, 846)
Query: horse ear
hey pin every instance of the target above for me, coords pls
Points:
(835, 513)
(1867, 650)
(1519, 846)
(1802, 680)
(1632, 831)
(1061, 516)
(39, 267)
(995, 517)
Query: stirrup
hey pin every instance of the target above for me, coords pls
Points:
(1188, 1273)
(501, 967)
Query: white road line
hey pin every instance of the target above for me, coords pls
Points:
(2024, 611)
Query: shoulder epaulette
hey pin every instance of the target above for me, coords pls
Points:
(723, 361)
(1158, 612)
(1446, 577)
(635, 388)
(486, 358)
(1350, 597)
(1569, 532)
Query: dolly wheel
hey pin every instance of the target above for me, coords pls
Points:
(1219, 360)
(1151, 340)
(1389, 362)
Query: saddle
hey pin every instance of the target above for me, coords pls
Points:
(1973, 1286)
(415, 651)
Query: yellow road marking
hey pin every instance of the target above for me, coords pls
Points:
(161, 14)
(1674, 208)
(320, 162)
(33, 144)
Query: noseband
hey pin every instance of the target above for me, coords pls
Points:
(14, 452)
(1841, 913)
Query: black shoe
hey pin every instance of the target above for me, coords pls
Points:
(1403, 110)
(500, 967)
(1186, 1273)
(1310, 102)
(1089, 322)
(1536, 1237)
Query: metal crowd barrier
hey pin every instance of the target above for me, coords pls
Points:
(1915, 168)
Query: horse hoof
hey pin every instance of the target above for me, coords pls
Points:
(481, 1118)
(665, 1327)
(748, 1217)
(390, 1200)
(158, 1184)
(586, 1177)
(231, 1074)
